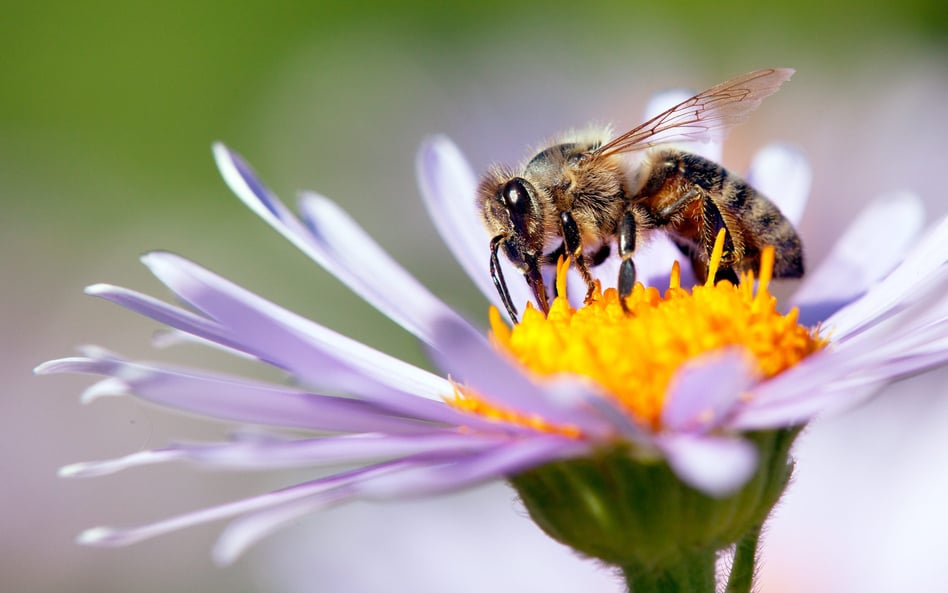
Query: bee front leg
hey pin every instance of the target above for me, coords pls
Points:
(574, 247)
(635, 219)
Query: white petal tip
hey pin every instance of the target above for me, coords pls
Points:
(222, 154)
(53, 367)
(783, 173)
(435, 152)
(77, 470)
(718, 466)
(111, 387)
(98, 289)
(102, 537)
(224, 554)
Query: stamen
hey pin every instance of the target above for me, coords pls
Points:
(634, 352)
(716, 254)
(674, 281)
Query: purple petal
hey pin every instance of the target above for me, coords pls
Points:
(365, 448)
(499, 462)
(408, 480)
(471, 361)
(844, 377)
(315, 354)
(356, 259)
(111, 537)
(715, 465)
(237, 399)
(270, 454)
(90, 469)
(783, 174)
(164, 313)
(859, 259)
(799, 410)
(654, 261)
(705, 391)
(925, 264)
(400, 297)
(242, 533)
(448, 187)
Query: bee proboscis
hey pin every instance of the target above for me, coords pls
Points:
(582, 194)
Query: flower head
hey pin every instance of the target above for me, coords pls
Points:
(701, 383)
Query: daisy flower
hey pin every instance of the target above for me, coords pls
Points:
(651, 440)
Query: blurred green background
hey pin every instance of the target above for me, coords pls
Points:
(108, 110)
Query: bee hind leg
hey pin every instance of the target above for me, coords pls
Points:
(714, 224)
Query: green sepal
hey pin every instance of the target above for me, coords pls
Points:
(634, 513)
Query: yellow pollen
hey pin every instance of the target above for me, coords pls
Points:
(634, 355)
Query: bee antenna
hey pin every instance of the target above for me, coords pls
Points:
(497, 275)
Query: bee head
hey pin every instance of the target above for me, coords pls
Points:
(514, 216)
(510, 208)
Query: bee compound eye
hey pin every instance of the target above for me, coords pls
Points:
(516, 197)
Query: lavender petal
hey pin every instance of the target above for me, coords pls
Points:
(705, 391)
(471, 361)
(270, 454)
(407, 480)
(112, 537)
(783, 174)
(237, 399)
(923, 265)
(858, 259)
(398, 301)
(356, 259)
(315, 354)
(448, 187)
(715, 465)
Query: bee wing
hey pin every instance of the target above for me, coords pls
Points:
(705, 116)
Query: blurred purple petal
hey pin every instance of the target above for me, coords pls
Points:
(345, 449)
(924, 264)
(709, 149)
(270, 454)
(90, 469)
(860, 258)
(796, 411)
(783, 174)
(715, 465)
(406, 481)
(496, 463)
(704, 392)
(111, 537)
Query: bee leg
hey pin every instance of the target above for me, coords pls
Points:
(497, 275)
(600, 256)
(551, 259)
(629, 224)
(574, 246)
(714, 224)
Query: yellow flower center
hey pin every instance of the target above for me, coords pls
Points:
(634, 354)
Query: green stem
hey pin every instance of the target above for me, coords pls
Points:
(744, 567)
(693, 574)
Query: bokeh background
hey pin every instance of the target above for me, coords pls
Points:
(107, 112)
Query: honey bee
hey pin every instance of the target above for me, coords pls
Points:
(582, 194)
